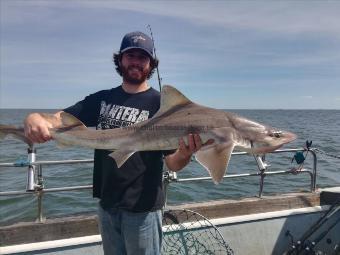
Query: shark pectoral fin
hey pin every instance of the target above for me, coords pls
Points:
(215, 160)
(120, 156)
(3, 133)
(7, 130)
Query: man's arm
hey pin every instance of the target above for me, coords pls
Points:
(36, 126)
(181, 157)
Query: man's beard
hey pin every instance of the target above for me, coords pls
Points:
(133, 79)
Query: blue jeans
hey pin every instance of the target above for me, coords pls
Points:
(130, 233)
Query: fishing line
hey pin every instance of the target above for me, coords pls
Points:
(157, 62)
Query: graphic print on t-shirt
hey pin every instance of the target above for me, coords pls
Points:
(113, 116)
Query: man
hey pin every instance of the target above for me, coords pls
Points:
(131, 197)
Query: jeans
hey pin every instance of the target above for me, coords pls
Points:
(130, 233)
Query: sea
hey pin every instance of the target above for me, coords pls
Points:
(322, 127)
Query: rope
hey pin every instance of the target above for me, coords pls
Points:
(327, 154)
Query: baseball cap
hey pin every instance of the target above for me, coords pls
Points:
(137, 40)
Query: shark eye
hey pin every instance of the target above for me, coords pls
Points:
(276, 134)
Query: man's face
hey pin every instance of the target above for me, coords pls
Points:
(135, 65)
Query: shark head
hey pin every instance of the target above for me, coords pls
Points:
(270, 139)
(256, 138)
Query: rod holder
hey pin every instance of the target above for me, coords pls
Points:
(261, 163)
(31, 184)
(262, 167)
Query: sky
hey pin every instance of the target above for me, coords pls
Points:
(222, 54)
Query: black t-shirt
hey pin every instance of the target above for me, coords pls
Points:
(136, 186)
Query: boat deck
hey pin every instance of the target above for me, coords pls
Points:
(259, 218)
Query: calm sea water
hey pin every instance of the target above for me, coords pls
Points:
(320, 126)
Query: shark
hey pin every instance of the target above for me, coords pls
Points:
(220, 131)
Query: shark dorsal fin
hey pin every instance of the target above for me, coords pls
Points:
(171, 97)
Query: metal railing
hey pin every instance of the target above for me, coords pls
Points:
(35, 181)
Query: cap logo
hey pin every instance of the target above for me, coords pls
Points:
(136, 38)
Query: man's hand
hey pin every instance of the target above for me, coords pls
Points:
(194, 144)
(37, 127)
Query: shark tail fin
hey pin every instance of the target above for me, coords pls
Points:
(5, 130)
(68, 122)
(16, 132)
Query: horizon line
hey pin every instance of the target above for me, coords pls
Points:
(330, 109)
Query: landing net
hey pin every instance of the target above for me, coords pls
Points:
(188, 232)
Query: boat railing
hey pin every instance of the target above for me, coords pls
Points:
(35, 181)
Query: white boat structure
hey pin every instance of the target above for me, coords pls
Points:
(292, 223)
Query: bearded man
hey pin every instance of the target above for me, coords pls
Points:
(131, 197)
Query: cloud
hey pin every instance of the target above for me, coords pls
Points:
(287, 17)
(277, 48)
(307, 97)
(284, 17)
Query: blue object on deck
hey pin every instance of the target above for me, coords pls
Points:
(21, 162)
(299, 157)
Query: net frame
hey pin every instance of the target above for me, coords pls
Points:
(188, 232)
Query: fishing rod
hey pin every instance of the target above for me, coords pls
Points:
(329, 213)
(303, 246)
(154, 52)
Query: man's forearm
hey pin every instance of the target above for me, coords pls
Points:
(177, 161)
(183, 154)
